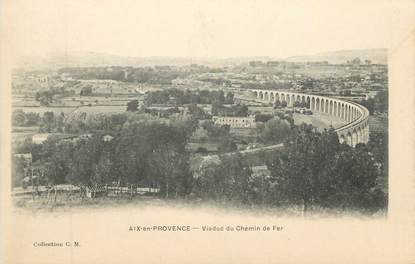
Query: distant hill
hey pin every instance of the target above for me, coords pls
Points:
(91, 59)
(378, 56)
(94, 59)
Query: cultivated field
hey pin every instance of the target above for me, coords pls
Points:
(102, 109)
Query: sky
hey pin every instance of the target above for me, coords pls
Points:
(212, 28)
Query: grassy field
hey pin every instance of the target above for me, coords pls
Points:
(43, 109)
(146, 204)
(242, 132)
(261, 109)
(320, 121)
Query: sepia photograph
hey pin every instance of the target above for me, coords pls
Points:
(132, 119)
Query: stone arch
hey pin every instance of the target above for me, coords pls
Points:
(261, 95)
(354, 138)
(326, 107)
(272, 97)
(342, 138)
(359, 135)
(348, 113)
(331, 107)
(349, 139)
(335, 108)
(346, 108)
(318, 104)
(343, 111)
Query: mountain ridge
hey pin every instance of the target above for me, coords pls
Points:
(376, 55)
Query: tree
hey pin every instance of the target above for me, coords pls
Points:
(227, 145)
(356, 61)
(239, 174)
(197, 112)
(346, 92)
(223, 179)
(229, 98)
(277, 104)
(32, 119)
(103, 168)
(201, 150)
(86, 91)
(273, 131)
(292, 174)
(353, 181)
(240, 110)
(378, 146)
(153, 153)
(18, 118)
(209, 182)
(48, 121)
(85, 157)
(132, 106)
(263, 117)
(216, 106)
(214, 131)
(175, 177)
(45, 98)
(381, 101)
(369, 104)
(221, 97)
(19, 169)
(297, 104)
(314, 169)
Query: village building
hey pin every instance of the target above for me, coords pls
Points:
(235, 122)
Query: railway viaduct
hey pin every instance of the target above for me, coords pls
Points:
(356, 129)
